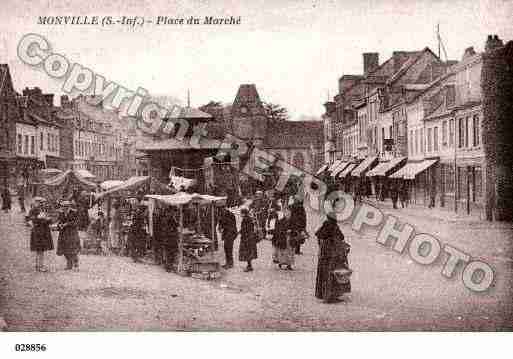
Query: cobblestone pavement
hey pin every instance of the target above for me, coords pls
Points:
(390, 291)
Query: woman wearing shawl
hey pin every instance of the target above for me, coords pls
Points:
(333, 252)
(282, 241)
(40, 235)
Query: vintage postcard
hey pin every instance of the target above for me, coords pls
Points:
(255, 166)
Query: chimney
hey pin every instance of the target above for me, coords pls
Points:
(65, 102)
(49, 98)
(370, 62)
(347, 81)
(330, 107)
(493, 42)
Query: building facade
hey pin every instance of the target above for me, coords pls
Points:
(418, 107)
(9, 114)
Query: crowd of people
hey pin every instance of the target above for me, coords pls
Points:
(282, 219)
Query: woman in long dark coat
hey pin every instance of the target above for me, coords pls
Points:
(68, 244)
(248, 246)
(40, 235)
(282, 241)
(6, 200)
(298, 223)
(333, 252)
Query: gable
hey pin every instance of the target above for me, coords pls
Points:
(247, 102)
(6, 86)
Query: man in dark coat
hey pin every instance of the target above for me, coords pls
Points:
(68, 243)
(248, 246)
(228, 227)
(158, 235)
(333, 251)
(298, 224)
(137, 234)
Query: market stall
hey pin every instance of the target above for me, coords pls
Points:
(118, 203)
(62, 186)
(196, 243)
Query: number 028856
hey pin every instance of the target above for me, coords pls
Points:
(30, 347)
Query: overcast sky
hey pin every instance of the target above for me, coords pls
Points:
(294, 51)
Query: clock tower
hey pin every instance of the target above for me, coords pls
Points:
(248, 119)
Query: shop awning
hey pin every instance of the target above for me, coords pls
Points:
(384, 167)
(347, 170)
(322, 169)
(412, 169)
(85, 173)
(339, 169)
(182, 198)
(364, 166)
(106, 185)
(334, 165)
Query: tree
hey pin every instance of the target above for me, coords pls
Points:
(214, 108)
(275, 112)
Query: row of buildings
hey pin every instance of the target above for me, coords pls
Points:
(422, 115)
(79, 134)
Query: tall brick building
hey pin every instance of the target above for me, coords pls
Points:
(9, 113)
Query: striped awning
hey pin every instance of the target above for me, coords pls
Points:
(383, 167)
(379, 170)
(364, 166)
(334, 165)
(347, 170)
(322, 169)
(412, 169)
(339, 169)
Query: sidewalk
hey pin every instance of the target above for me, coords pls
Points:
(438, 213)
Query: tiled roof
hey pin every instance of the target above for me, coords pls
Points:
(193, 113)
(294, 134)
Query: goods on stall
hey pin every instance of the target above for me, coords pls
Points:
(195, 249)
(62, 186)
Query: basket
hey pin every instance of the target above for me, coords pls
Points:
(343, 275)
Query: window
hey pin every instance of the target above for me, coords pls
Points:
(48, 144)
(451, 132)
(467, 131)
(390, 132)
(422, 148)
(383, 138)
(26, 148)
(435, 138)
(20, 143)
(461, 133)
(430, 140)
(41, 142)
(475, 127)
(444, 133)
(416, 141)
(32, 145)
(411, 141)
